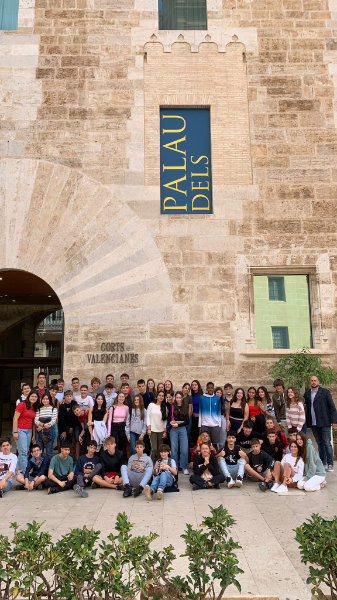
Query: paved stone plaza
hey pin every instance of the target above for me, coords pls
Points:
(269, 557)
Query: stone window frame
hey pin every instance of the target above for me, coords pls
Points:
(314, 302)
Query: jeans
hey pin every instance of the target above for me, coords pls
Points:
(165, 479)
(322, 436)
(49, 446)
(22, 445)
(133, 439)
(233, 471)
(179, 438)
(135, 478)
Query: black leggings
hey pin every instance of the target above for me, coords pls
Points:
(118, 432)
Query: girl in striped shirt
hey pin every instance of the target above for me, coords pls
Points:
(295, 413)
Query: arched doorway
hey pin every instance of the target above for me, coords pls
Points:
(31, 335)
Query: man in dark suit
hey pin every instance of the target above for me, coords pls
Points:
(321, 414)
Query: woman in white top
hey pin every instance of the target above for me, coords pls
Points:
(45, 420)
(289, 471)
(156, 421)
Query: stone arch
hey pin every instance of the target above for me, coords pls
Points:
(86, 243)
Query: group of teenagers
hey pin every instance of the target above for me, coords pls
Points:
(138, 440)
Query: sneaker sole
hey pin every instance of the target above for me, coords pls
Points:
(147, 492)
(159, 495)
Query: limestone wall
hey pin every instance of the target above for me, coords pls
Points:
(81, 211)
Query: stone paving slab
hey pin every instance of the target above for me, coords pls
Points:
(264, 522)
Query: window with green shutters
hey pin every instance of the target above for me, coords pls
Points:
(182, 14)
(9, 11)
(276, 288)
(280, 337)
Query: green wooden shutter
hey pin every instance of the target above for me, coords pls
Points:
(9, 10)
(182, 14)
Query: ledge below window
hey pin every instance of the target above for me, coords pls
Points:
(285, 351)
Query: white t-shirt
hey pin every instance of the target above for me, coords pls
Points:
(154, 418)
(299, 468)
(84, 403)
(7, 463)
(59, 396)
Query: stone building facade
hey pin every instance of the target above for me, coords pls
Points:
(161, 295)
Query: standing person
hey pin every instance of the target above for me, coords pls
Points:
(118, 416)
(210, 413)
(165, 472)
(223, 434)
(97, 419)
(160, 388)
(151, 386)
(206, 470)
(314, 471)
(67, 420)
(45, 420)
(8, 462)
(111, 461)
(24, 428)
(86, 429)
(136, 423)
(289, 471)
(61, 471)
(25, 389)
(75, 384)
(40, 388)
(321, 413)
(156, 420)
(228, 394)
(254, 410)
(84, 400)
(36, 472)
(60, 390)
(110, 395)
(178, 433)
(147, 396)
(238, 411)
(168, 388)
(265, 402)
(85, 470)
(279, 401)
(138, 472)
(94, 389)
(109, 378)
(186, 389)
(295, 413)
(232, 461)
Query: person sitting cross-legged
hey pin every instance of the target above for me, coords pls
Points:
(165, 471)
(61, 471)
(111, 461)
(86, 468)
(206, 471)
(8, 462)
(138, 472)
(232, 461)
(36, 471)
(258, 465)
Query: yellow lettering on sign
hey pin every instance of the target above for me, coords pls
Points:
(174, 130)
(194, 208)
(200, 186)
(174, 145)
(174, 205)
(174, 185)
(182, 167)
(195, 162)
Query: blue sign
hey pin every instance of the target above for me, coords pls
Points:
(185, 161)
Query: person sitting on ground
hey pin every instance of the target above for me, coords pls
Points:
(86, 468)
(270, 424)
(111, 461)
(165, 471)
(8, 462)
(273, 446)
(61, 471)
(138, 472)
(36, 471)
(258, 465)
(244, 438)
(314, 471)
(203, 438)
(232, 461)
(206, 470)
(289, 471)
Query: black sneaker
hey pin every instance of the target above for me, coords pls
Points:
(228, 479)
(127, 491)
(195, 487)
(263, 486)
(1, 493)
(52, 490)
(137, 492)
(120, 487)
(19, 486)
(269, 485)
(94, 486)
(216, 486)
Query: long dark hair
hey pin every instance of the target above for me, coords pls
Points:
(297, 397)
(255, 395)
(262, 387)
(200, 390)
(51, 403)
(243, 399)
(28, 403)
(303, 449)
(164, 407)
(184, 407)
(222, 400)
(298, 451)
(103, 407)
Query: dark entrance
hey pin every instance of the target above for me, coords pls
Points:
(31, 336)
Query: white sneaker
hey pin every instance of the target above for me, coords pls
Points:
(330, 468)
(159, 494)
(282, 489)
(231, 483)
(238, 482)
(186, 472)
(275, 487)
(148, 492)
